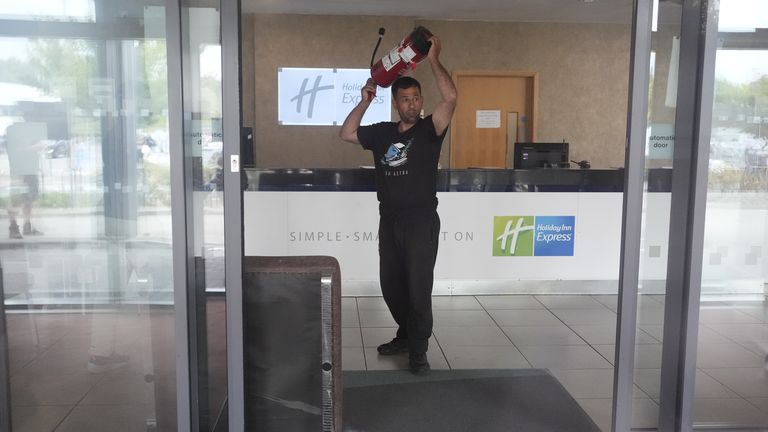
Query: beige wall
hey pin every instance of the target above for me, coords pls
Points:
(583, 79)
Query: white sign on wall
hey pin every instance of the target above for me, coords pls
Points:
(315, 96)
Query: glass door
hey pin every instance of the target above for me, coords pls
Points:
(731, 385)
(701, 282)
(87, 245)
(495, 311)
(201, 76)
(657, 168)
(112, 150)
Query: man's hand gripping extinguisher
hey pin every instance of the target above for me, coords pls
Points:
(411, 50)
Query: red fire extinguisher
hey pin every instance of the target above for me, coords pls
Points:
(408, 53)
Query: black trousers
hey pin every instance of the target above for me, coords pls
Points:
(407, 253)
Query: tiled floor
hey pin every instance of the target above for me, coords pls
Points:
(52, 389)
(574, 337)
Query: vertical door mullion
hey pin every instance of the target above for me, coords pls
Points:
(181, 196)
(629, 267)
(5, 378)
(233, 209)
(693, 124)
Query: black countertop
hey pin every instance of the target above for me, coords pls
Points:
(456, 180)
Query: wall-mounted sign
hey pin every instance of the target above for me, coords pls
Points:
(488, 119)
(314, 96)
(661, 141)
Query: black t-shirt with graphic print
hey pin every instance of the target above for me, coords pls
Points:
(406, 163)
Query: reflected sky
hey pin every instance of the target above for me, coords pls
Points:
(741, 66)
(59, 10)
(743, 15)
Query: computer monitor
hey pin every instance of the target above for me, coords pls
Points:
(541, 155)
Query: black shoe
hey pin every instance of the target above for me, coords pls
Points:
(13, 231)
(396, 346)
(99, 364)
(419, 364)
(28, 230)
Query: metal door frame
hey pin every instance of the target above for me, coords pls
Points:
(698, 43)
(632, 215)
(693, 128)
(188, 400)
(233, 207)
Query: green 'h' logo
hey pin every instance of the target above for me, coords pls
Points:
(513, 235)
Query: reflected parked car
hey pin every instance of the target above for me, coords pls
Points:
(145, 145)
(57, 149)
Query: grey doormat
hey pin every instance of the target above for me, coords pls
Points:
(525, 400)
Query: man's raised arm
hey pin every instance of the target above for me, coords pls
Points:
(348, 130)
(441, 117)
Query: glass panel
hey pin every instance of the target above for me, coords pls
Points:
(311, 194)
(731, 380)
(85, 179)
(665, 51)
(203, 142)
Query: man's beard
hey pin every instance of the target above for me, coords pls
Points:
(409, 118)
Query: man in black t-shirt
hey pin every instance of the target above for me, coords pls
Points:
(405, 155)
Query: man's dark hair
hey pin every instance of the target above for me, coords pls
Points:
(404, 82)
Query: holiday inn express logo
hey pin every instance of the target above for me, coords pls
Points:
(324, 96)
(533, 235)
(513, 236)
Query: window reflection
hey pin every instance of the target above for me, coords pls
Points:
(733, 342)
(739, 146)
(85, 196)
(49, 10)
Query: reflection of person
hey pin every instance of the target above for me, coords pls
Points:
(102, 356)
(216, 182)
(105, 325)
(24, 142)
(405, 155)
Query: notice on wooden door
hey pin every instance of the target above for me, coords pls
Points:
(488, 119)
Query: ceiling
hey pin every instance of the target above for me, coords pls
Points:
(566, 11)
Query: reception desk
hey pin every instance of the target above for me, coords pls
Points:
(466, 180)
(569, 239)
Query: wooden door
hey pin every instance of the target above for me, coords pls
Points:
(488, 101)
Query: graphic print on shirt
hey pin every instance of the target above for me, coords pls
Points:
(397, 154)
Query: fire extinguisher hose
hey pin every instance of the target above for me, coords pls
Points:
(381, 35)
